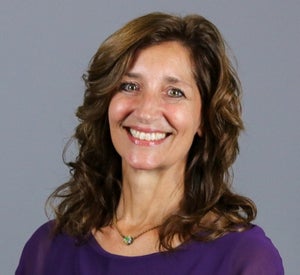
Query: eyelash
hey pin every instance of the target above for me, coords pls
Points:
(178, 92)
(132, 87)
(129, 86)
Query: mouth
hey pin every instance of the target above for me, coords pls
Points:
(147, 136)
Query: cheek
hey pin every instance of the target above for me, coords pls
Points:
(111, 112)
(185, 119)
(117, 110)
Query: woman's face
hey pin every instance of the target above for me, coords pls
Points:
(156, 113)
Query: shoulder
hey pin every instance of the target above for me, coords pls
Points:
(252, 252)
(40, 239)
(37, 248)
(249, 252)
(43, 233)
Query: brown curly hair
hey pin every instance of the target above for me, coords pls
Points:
(90, 198)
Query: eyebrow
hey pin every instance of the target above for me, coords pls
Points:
(168, 79)
(173, 80)
(133, 75)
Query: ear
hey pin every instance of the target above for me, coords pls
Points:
(199, 131)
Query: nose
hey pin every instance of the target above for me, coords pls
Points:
(148, 107)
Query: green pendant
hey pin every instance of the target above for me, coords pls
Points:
(128, 240)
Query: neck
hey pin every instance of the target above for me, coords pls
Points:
(148, 197)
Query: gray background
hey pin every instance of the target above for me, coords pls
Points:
(45, 48)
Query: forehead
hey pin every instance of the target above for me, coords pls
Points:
(167, 57)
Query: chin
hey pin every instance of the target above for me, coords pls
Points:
(144, 165)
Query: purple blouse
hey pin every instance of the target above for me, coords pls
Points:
(244, 253)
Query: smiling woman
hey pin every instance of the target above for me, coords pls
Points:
(153, 123)
(149, 191)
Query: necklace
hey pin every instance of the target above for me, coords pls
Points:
(128, 239)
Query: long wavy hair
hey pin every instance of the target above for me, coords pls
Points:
(90, 198)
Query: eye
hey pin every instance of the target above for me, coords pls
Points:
(174, 92)
(128, 86)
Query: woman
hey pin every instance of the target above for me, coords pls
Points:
(150, 188)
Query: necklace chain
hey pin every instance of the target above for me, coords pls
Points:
(128, 239)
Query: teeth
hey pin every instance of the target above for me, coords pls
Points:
(147, 136)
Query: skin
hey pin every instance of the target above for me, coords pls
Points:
(153, 119)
